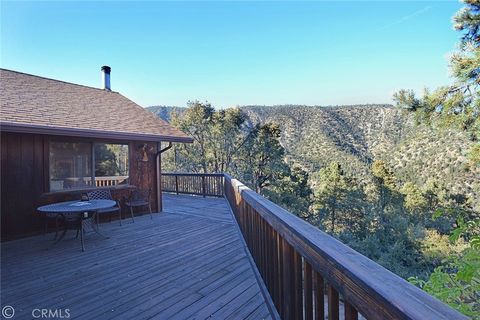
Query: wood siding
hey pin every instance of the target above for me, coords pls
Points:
(22, 182)
(25, 180)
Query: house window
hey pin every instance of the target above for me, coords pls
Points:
(76, 165)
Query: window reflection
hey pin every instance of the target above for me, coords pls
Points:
(111, 164)
(71, 165)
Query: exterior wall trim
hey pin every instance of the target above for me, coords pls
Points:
(99, 134)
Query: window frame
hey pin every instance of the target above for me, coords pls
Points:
(92, 142)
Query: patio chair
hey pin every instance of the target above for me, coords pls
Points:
(139, 198)
(105, 194)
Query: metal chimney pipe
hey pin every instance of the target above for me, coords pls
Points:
(106, 77)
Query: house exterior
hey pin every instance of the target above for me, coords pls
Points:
(59, 140)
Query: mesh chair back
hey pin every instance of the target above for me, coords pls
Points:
(100, 194)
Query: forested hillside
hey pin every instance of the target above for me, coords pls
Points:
(354, 136)
(357, 135)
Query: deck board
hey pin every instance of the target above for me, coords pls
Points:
(186, 263)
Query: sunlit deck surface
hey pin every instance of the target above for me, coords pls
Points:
(187, 263)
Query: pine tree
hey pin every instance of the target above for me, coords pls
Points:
(456, 282)
(457, 105)
(331, 193)
(261, 159)
(292, 192)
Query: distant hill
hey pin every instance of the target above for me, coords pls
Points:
(316, 135)
(313, 136)
(164, 112)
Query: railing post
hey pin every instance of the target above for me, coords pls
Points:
(203, 186)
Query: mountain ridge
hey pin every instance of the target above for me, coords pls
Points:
(355, 135)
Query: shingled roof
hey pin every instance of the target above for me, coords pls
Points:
(39, 105)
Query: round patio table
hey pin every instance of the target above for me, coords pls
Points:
(76, 211)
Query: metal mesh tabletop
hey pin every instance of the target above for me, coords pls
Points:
(76, 206)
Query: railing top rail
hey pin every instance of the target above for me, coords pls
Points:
(192, 174)
(375, 291)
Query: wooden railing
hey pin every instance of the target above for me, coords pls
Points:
(203, 184)
(302, 266)
(105, 181)
(109, 181)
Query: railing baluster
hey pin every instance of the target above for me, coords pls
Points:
(264, 251)
(247, 225)
(333, 303)
(280, 275)
(266, 264)
(271, 261)
(176, 184)
(242, 211)
(255, 235)
(350, 312)
(287, 279)
(250, 230)
(319, 296)
(298, 280)
(277, 271)
(307, 278)
(258, 240)
(203, 186)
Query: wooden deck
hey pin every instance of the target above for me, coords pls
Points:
(187, 263)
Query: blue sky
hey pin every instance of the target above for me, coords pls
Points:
(235, 53)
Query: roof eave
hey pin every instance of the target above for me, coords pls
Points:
(89, 133)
